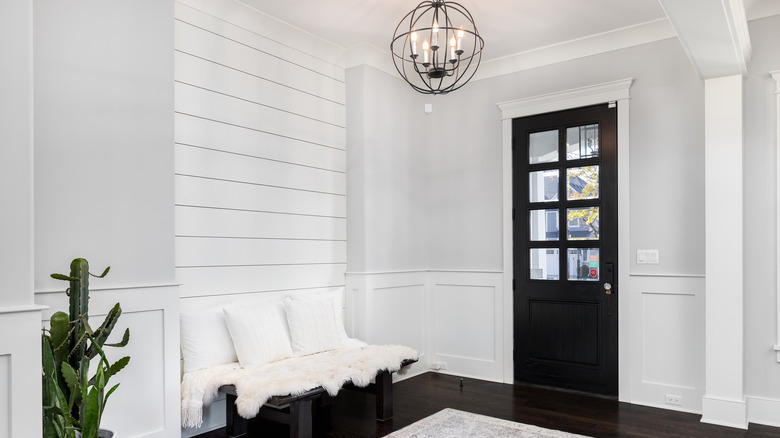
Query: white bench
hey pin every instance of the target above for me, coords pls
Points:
(280, 360)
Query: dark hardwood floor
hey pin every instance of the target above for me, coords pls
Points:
(352, 413)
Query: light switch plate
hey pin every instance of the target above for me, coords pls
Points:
(647, 256)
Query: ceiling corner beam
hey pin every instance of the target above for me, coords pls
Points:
(714, 34)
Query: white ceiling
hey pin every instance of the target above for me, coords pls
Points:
(507, 26)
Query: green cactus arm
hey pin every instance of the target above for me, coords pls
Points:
(101, 275)
(117, 366)
(102, 333)
(123, 342)
(63, 277)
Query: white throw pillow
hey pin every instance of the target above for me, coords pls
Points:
(259, 333)
(312, 325)
(205, 340)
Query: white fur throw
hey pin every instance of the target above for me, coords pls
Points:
(255, 385)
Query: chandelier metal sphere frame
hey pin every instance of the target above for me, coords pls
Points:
(436, 47)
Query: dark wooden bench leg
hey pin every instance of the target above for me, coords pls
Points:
(384, 396)
(301, 419)
(236, 425)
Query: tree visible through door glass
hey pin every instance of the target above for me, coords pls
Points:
(582, 183)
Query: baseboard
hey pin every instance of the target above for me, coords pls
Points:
(724, 412)
(764, 411)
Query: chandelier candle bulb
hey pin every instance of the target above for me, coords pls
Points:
(425, 52)
(435, 36)
(413, 37)
(453, 58)
(460, 38)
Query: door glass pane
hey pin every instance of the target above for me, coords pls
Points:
(583, 264)
(544, 225)
(544, 264)
(582, 182)
(543, 147)
(582, 142)
(582, 223)
(543, 186)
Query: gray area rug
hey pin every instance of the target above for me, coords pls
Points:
(451, 423)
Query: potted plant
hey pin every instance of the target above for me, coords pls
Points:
(73, 402)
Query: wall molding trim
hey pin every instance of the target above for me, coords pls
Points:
(22, 309)
(112, 288)
(776, 77)
(725, 412)
(617, 91)
(761, 410)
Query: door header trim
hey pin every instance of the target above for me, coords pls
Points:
(573, 98)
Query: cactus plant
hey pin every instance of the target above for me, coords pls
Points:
(72, 401)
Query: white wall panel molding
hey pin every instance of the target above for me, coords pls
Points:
(776, 77)
(667, 341)
(467, 323)
(617, 91)
(430, 311)
(150, 382)
(20, 371)
(761, 410)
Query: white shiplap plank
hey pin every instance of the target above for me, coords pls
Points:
(211, 105)
(200, 251)
(246, 279)
(195, 303)
(195, 161)
(264, 33)
(225, 194)
(230, 138)
(198, 42)
(206, 74)
(211, 222)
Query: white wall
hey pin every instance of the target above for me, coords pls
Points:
(20, 358)
(103, 85)
(762, 380)
(260, 163)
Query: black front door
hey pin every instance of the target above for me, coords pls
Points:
(565, 249)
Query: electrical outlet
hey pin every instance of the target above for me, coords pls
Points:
(443, 365)
(438, 366)
(673, 400)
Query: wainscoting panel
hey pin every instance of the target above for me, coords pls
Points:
(20, 371)
(149, 385)
(667, 334)
(467, 323)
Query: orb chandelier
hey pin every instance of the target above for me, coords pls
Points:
(436, 47)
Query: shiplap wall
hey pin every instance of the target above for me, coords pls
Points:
(260, 157)
(260, 165)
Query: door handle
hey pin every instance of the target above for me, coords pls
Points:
(608, 277)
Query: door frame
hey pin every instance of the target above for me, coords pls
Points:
(615, 91)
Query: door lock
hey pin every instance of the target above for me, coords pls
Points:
(608, 288)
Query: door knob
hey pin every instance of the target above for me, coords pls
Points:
(608, 288)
